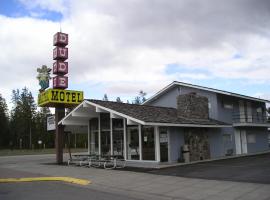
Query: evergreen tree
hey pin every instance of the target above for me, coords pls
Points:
(105, 98)
(137, 100)
(142, 95)
(22, 118)
(4, 123)
(118, 100)
(140, 98)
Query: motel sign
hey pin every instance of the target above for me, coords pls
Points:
(58, 96)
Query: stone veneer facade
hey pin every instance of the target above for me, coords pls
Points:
(192, 106)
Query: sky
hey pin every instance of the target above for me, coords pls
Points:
(120, 47)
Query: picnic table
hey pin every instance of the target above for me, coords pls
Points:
(94, 160)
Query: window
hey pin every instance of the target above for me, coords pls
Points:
(227, 105)
(227, 138)
(259, 110)
(251, 138)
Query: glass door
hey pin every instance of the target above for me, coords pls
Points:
(163, 139)
(133, 152)
(148, 143)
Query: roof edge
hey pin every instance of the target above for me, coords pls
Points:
(174, 83)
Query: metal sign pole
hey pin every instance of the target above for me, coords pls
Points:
(59, 134)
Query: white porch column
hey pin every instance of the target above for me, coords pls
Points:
(111, 135)
(92, 138)
(140, 140)
(157, 143)
(125, 138)
(88, 137)
(99, 135)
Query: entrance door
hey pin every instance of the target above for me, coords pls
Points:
(240, 142)
(148, 143)
(133, 143)
(163, 139)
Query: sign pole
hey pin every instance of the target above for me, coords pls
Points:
(59, 134)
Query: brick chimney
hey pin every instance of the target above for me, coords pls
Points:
(192, 106)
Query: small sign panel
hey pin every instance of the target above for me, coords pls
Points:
(163, 138)
(60, 39)
(60, 82)
(60, 67)
(60, 53)
(54, 97)
(51, 123)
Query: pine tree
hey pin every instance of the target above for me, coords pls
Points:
(118, 100)
(4, 123)
(105, 98)
(22, 118)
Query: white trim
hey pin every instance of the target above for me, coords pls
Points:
(114, 116)
(157, 144)
(78, 123)
(169, 145)
(251, 124)
(99, 110)
(125, 138)
(81, 114)
(202, 88)
(115, 112)
(186, 125)
(111, 135)
(99, 135)
(130, 122)
(88, 137)
(140, 140)
(81, 104)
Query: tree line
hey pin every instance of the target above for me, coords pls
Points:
(23, 126)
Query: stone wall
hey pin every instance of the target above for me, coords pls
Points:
(192, 106)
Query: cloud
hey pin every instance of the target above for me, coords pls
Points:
(128, 45)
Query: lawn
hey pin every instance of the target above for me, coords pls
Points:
(15, 152)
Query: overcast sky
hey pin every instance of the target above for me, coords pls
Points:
(119, 47)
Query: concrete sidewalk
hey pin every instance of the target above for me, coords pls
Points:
(140, 185)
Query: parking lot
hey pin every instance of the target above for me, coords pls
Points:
(243, 180)
(253, 169)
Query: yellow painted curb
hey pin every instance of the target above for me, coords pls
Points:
(31, 179)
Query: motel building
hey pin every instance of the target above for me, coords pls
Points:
(180, 123)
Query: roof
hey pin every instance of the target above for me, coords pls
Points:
(153, 114)
(177, 83)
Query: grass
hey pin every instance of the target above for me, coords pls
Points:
(16, 152)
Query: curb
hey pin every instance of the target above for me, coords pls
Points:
(33, 179)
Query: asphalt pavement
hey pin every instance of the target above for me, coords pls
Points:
(54, 190)
(251, 169)
(116, 184)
